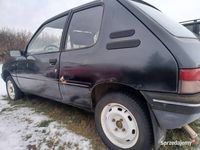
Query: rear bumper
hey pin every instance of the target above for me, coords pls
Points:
(174, 110)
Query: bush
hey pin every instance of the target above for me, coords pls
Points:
(12, 40)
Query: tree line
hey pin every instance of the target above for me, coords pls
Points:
(12, 40)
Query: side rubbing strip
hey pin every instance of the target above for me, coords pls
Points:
(175, 103)
(122, 34)
(123, 44)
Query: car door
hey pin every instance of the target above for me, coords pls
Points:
(198, 29)
(38, 73)
(77, 71)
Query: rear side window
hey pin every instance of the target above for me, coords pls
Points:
(84, 28)
(170, 25)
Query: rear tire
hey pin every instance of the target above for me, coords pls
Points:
(14, 93)
(123, 123)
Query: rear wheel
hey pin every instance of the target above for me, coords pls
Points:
(13, 91)
(122, 123)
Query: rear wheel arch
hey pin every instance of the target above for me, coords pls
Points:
(102, 89)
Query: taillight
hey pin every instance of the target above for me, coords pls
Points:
(189, 81)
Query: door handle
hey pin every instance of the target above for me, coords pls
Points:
(52, 61)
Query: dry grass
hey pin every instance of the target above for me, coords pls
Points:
(76, 120)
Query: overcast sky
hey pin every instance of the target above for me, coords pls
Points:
(30, 14)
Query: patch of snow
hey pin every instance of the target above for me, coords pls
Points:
(20, 129)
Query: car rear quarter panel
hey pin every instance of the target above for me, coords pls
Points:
(149, 66)
(185, 50)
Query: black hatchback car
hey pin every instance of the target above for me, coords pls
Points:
(123, 59)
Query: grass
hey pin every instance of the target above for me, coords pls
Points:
(44, 123)
(28, 136)
(76, 120)
(179, 135)
(82, 122)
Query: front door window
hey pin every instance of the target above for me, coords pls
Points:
(48, 38)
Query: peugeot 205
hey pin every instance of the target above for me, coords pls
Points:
(124, 60)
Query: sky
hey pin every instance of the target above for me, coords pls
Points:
(30, 14)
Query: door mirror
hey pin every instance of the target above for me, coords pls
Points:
(16, 53)
(83, 38)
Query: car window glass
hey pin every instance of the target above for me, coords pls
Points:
(190, 27)
(48, 38)
(198, 29)
(167, 23)
(84, 28)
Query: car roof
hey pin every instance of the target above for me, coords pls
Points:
(145, 3)
(90, 4)
(68, 11)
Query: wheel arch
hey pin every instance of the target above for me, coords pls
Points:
(99, 90)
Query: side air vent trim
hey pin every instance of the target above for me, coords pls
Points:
(122, 34)
(123, 44)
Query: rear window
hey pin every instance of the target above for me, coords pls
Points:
(170, 25)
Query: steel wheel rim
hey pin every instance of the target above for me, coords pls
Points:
(11, 89)
(119, 125)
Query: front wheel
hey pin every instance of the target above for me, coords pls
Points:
(13, 91)
(122, 123)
